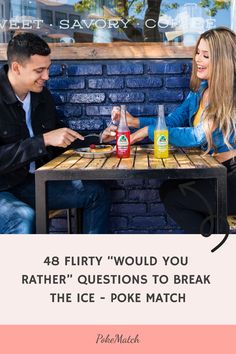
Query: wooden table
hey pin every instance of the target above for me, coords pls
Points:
(181, 164)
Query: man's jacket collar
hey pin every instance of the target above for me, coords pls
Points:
(7, 91)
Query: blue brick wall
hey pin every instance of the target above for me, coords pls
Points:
(84, 94)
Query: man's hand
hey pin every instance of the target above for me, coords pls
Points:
(62, 137)
(109, 134)
(139, 135)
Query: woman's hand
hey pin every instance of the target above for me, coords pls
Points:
(131, 120)
(139, 135)
(109, 134)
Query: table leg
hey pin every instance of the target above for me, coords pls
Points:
(221, 190)
(41, 205)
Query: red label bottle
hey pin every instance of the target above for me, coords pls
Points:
(123, 136)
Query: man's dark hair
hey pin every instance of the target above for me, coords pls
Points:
(24, 45)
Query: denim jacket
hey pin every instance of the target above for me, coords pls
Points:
(182, 133)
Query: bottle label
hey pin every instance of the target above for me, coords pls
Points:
(123, 142)
(162, 141)
(161, 144)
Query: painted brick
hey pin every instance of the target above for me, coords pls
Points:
(68, 111)
(55, 70)
(166, 231)
(84, 69)
(126, 97)
(157, 208)
(93, 110)
(118, 195)
(166, 96)
(143, 82)
(177, 82)
(66, 83)
(109, 83)
(167, 67)
(58, 225)
(85, 124)
(148, 221)
(154, 182)
(98, 110)
(86, 97)
(188, 67)
(125, 68)
(137, 182)
(137, 110)
(150, 110)
(118, 222)
(106, 123)
(59, 98)
(128, 208)
(144, 195)
(120, 183)
(133, 231)
(141, 110)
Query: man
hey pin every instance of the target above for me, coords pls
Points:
(30, 135)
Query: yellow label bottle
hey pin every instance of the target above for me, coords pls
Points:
(161, 146)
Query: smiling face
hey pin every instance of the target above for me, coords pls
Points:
(202, 60)
(33, 73)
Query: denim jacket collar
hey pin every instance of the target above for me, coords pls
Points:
(202, 87)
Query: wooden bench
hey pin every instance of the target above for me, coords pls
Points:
(232, 222)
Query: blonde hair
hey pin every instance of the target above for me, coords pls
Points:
(221, 111)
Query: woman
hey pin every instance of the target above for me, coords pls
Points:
(206, 119)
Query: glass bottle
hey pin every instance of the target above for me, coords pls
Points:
(161, 135)
(123, 136)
